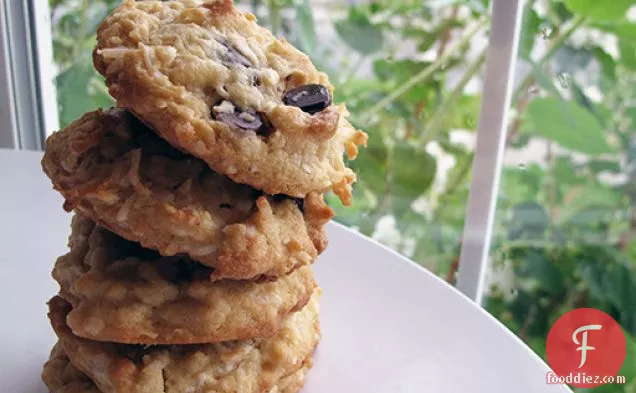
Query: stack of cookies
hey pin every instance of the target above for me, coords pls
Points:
(198, 207)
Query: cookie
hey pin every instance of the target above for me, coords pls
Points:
(248, 366)
(124, 293)
(215, 84)
(114, 170)
(60, 376)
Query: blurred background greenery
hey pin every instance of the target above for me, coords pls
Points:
(410, 75)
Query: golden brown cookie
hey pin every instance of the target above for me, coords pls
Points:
(124, 293)
(212, 82)
(60, 376)
(113, 169)
(249, 366)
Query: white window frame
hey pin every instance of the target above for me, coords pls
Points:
(28, 108)
(492, 129)
(28, 101)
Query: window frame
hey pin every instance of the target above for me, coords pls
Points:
(28, 96)
(492, 129)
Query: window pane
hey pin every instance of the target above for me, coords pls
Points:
(565, 226)
(410, 76)
(79, 87)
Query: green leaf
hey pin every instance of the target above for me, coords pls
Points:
(399, 72)
(629, 366)
(561, 11)
(521, 185)
(425, 40)
(531, 22)
(306, 26)
(401, 207)
(608, 65)
(350, 215)
(598, 166)
(623, 29)
(465, 113)
(453, 209)
(627, 53)
(630, 252)
(599, 10)
(371, 164)
(589, 224)
(597, 110)
(626, 32)
(457, 150)
(594, 193)
(542, 270)
(413, 171)
(565, 172)
(567, 124)
(99, 93)
(95, 14)
(616, 283)
(528, 220)
(358, 33)
(72, 91)
(356, 90)
(544, 80)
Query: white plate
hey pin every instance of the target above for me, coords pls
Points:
(388, 325)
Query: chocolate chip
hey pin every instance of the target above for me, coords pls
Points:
(134, 353)
(299, 201)
(233, 56)
(245, 120)
(310, 98)
(180, 268)
(279, 197)
(301, 204)
(225, 206)
(248, 120)
(68, 206)
(254, 193)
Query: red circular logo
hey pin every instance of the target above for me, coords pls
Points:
(585, 348)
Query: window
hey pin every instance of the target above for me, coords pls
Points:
(412, 76)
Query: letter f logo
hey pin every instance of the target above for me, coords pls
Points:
(584, 347)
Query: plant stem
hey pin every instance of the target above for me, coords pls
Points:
(453, 184)
(552, 185)
(543, 244)
(446, 34)
(451, 275)
(518, 122)
(426, 73)
(274, 16)
(552, 16)
(435, 124)
(556, 43)
(528, 322)
(79, 43)
(354, 69)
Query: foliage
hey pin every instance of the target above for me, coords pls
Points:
(79, 87)
(564, 235)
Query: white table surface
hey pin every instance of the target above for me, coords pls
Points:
(388, 325)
